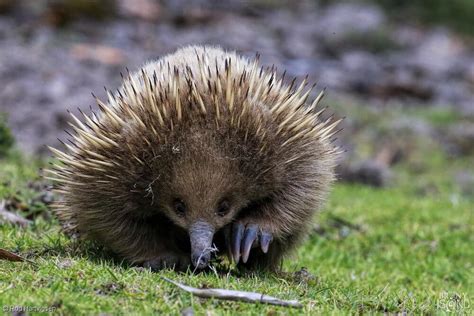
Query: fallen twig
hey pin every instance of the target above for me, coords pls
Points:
(12, 217)
(232, 295)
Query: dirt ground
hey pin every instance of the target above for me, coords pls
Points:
(51, 61)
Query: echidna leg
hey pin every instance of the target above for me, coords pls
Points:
(168, 260)
(149, 247)
(165, 255)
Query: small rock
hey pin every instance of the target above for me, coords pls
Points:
(460, 138)
(66, 263)
(188, 311)
(318, 230)
(109, 288)
(304, 276)
(411, 125)
(349, 18)
(469, 73)
(465, 180)
(369, 172)
(344, 232)
(140, 269)
(46, 197)
(438, 52)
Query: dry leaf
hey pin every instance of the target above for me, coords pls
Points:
(10, 256)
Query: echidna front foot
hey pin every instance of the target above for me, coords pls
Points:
(173, 261)
(242, 236)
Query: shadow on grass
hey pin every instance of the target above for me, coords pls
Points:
(57, 245)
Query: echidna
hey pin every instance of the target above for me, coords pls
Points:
(201, 151)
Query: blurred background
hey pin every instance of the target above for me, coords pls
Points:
(400, 71)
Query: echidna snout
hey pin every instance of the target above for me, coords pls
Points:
(201, 235)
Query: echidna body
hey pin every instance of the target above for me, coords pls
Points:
(200, 148)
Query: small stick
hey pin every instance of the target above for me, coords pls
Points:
(232, 295)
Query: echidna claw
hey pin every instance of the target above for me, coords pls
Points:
(265, 240)
(241, 239)
(228, 239)
(250, 235)
(237, 233)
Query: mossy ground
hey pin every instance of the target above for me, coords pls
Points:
(403, 248)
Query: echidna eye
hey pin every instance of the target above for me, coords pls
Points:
(179, 207)
(223, 208)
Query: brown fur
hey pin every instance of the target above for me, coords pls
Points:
(200, 125)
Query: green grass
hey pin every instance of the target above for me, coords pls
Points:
(404, 248)
(401, 250)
